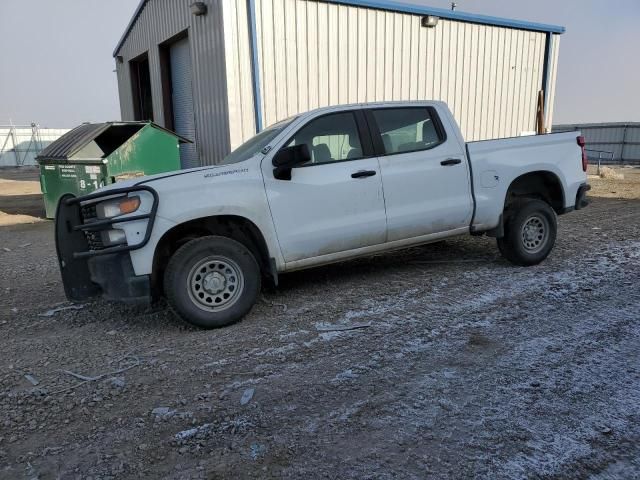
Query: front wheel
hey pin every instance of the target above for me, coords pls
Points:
(212, 282)
(530, 232)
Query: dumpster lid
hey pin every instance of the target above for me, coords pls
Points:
(109, 136)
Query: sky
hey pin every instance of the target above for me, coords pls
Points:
(57, 68)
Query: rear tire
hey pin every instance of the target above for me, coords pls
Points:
(530, 232)
(212, 282)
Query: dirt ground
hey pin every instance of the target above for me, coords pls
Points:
(463, 365)
(628, 187)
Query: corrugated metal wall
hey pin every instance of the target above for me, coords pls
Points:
(621, 139)
(160, 20)
(314, 54)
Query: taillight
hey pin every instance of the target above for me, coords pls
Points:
(585, 160)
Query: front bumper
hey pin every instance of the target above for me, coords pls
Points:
(114, 275)
(89, 269)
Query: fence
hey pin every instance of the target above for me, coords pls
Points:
(600, 158)
(19, 145)
(611, 143)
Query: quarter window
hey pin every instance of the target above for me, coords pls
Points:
(407, 129)
(331, 138)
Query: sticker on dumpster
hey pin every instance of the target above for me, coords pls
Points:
(92, 169)
(68, 172)
(49, 167)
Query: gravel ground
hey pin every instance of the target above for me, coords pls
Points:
(461, 366)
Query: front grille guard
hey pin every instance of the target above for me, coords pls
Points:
(100, 225)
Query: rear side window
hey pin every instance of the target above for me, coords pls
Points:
(408, 129)
(331, 138)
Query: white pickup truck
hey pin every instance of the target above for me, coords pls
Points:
(325, 186)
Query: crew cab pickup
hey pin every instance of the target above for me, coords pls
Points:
(325, 186)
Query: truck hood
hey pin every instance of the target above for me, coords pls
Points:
(191, 176)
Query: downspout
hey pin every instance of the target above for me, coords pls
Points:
(546, 75)
(255, 64)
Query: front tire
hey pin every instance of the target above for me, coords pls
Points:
(212, 282)
(530, 232)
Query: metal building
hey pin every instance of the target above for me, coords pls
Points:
(218, 71)
(610, 143)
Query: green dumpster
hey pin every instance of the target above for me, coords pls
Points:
(96, 154)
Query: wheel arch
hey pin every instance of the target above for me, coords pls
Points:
(235, 227)
(542, 184)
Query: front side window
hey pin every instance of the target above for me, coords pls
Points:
(331, 138)
(407, 129)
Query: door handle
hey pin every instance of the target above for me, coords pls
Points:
(450, 161)
(363, 174)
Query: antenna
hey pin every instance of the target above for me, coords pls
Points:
(454, 5)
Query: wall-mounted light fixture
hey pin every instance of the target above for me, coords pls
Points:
(120, 59)
(198, 8)
(430, 21)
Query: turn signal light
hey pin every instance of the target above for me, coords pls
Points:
(129, 205)
(119, 206)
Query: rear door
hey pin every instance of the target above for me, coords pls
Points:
(335, 202)
(424, 173)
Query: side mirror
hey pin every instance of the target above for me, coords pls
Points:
(287, 158)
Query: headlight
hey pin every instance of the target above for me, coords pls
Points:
(117, 207)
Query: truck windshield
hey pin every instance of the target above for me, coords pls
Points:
(257, 143)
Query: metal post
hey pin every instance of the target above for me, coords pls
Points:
(6, 140)
(599, 160)
(15, 145)
(624, 141)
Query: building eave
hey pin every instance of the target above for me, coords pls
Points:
(130, 25)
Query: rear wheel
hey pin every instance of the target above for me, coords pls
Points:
(212, 281)
(530, 232)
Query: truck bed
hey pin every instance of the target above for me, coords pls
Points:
(496, 163)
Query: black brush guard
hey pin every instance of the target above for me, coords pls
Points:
(74, 252)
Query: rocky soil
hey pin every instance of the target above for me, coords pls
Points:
(437, 362)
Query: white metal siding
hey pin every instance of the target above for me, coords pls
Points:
(159, 21)
(313, 54)
(239, 73)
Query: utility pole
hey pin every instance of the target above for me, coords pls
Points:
(454, 5)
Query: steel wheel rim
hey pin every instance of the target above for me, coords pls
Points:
(215, 283)
(535, 233)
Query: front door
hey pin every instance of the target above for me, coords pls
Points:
(335, 202)
(424, 173)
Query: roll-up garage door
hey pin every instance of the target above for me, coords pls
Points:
(182, 101)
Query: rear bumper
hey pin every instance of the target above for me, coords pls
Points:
(581, 196)
(581, 199)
